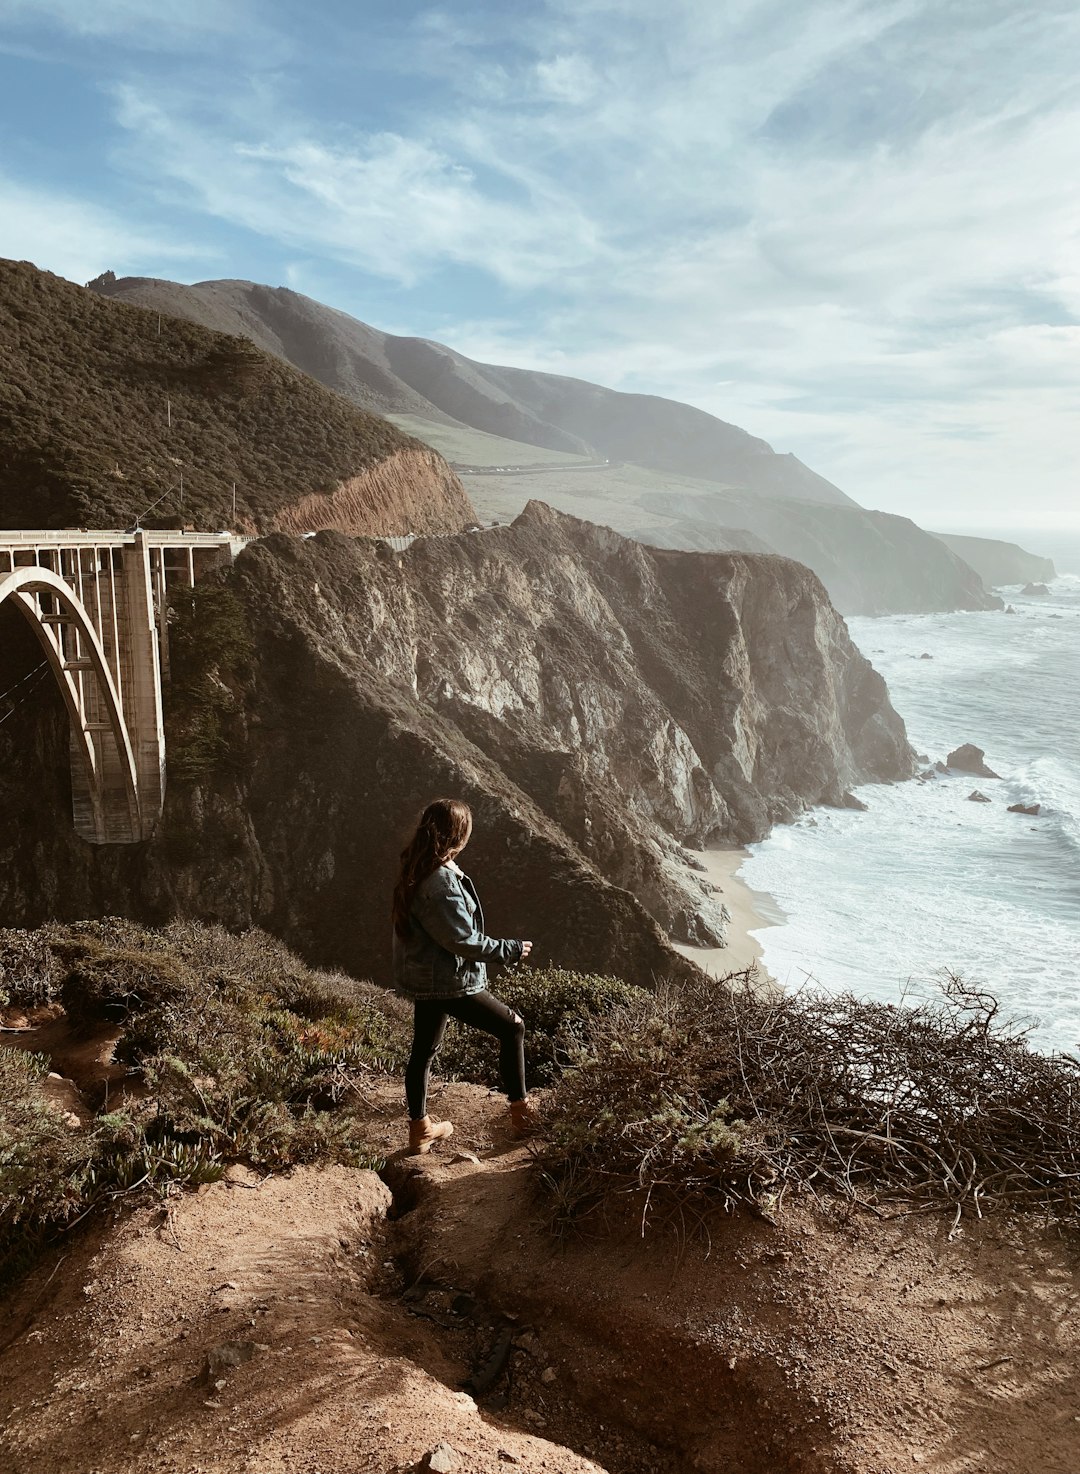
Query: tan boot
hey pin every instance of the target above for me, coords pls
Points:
(423, 1134)
(523, 1119)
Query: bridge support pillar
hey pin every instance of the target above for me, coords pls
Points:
(142, 689)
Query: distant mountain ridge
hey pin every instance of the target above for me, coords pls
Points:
(414, 376)
(998, 562)
(654, 469)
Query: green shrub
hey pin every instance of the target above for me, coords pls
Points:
(241, 1045)
(42, 1162)
(210, 648)
(243, 1052)
(556, 1005)
(106, 986)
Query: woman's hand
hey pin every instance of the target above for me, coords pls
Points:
(526, 948)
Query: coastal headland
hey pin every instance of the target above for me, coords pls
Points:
(777, 1233)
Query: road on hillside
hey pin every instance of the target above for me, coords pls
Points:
(533, 470)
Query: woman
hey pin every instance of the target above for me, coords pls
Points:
(440, 956)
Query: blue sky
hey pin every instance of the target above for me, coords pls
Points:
(851, 226)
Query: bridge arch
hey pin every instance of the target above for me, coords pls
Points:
(80, 670)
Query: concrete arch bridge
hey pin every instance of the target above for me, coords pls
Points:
(98, 603)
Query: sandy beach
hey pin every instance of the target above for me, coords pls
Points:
(751, 911)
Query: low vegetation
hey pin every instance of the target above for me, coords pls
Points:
(234, 1051)
(105, 407)
(558, 1007)
(230, 1049)
(729, 1096)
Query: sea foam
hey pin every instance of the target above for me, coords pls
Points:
(881, 903)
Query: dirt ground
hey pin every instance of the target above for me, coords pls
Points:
(317, 1323)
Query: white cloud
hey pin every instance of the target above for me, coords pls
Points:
(79, 240)
(567, 79)
(847, 226)
(394, 206)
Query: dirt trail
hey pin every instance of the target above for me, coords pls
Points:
(336, 1377)
(827, 1344)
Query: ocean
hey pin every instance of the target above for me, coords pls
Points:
(881, 903)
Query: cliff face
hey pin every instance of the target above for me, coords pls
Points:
(410, 490)
(999, 562)
(107, 410)
(599, 703)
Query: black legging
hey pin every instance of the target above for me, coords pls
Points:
(481, 1011)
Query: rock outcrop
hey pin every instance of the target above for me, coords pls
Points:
(599, 703)
(970, 759)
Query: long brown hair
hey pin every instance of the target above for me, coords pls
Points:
(443, 829)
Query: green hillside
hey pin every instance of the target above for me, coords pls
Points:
(105, 407)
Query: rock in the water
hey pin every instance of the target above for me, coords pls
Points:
(442, 1459)
(849, 801)
(976, 797)
(970, 759)
(940, 767)
(1030, 809)
(926, 655)
(1034, 588)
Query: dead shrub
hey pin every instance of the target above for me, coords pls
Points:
(720, 1094)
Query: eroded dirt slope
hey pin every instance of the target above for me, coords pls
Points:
(826, 1342)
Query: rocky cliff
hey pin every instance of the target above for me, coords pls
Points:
(998, 562)
(598, 702)
(108, 411)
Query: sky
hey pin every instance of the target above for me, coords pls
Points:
(850, 226)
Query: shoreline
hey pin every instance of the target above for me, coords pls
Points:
(751, 911)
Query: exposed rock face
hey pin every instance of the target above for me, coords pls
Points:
(412, 490)
(998, 562)
(599, 703)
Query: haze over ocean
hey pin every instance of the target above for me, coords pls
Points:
(878, 903)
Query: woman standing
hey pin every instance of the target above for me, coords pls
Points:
(440, 956)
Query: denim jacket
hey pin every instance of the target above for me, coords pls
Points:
(445, 952)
